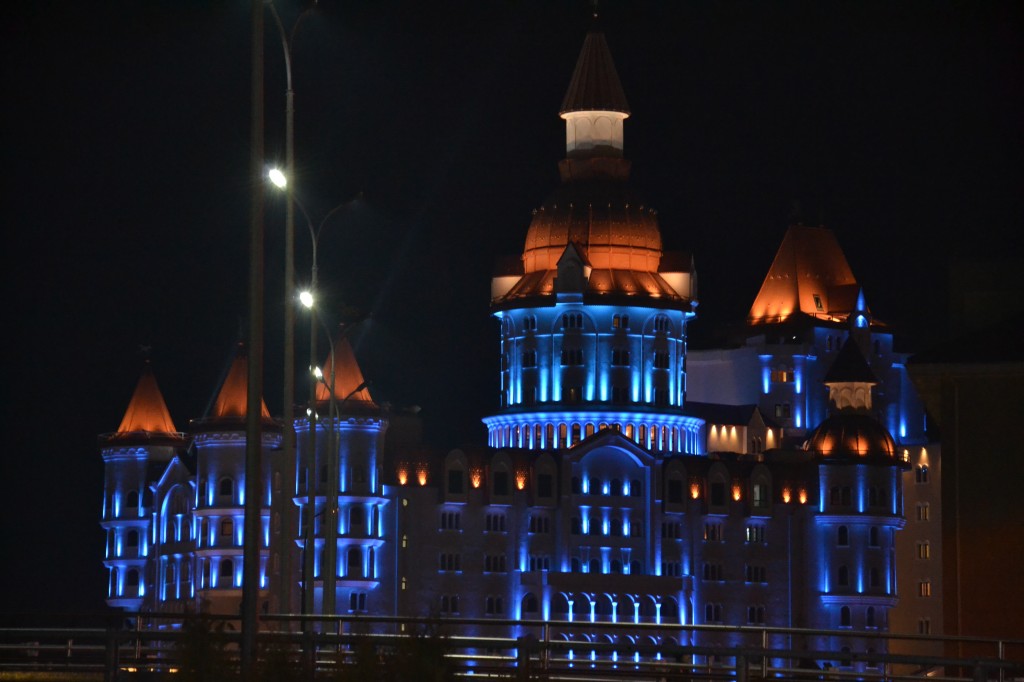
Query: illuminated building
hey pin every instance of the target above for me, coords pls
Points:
(612, 486)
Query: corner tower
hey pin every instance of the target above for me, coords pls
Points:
(593, 314)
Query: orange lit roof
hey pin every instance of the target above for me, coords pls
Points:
(349, 383)
(233, 396)
(147, 411)
(809, 275)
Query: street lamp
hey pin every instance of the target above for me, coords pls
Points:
(280, 179)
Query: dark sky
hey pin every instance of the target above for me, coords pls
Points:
(126, 193)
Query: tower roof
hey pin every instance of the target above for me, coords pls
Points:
(595, 84)
(232, 400)
(809, 275)
(349, 383)
(850, 366)
(147, 412)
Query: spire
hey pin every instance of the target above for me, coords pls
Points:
(233, 397)
(850, 379)
(349, 383)
(147, 411)
(595, 84)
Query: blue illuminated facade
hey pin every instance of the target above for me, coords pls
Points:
(604, 492)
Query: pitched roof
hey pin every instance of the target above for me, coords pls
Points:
(349, 383)
(147, 412)
(595, 83)
(809, 275)
(232, 401)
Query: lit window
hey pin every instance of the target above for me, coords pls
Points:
(921, 473)
(817, 303)
(922, 511)
(620, 322)
(755, 534)
(924, 588)
(924, 550)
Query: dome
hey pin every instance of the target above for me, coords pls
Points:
(615, 228)
(851, 436)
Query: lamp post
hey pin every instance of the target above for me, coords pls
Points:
(308, 298)
(288, 383)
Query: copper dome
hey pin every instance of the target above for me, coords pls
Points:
(615, 228)
(852, 436)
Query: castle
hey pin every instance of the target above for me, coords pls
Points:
(625, 478)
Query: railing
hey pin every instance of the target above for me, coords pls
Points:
(311, 648)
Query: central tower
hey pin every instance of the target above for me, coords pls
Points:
(593, 314)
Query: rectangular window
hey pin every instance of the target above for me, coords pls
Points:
(545, 485)
(712, 532)
(717, 493)
(451, 521)
(817, 303)
(783, 411)
(755, 574)
(924, 626)
(924, 550)
(495, 523)
(661, 359)
(675, 491)
(755, 534)
(922, 511)
(455, 482)
(501, 483)
(924, 588)
(529, 358)
(713, 572)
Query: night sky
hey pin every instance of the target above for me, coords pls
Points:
(126, 194)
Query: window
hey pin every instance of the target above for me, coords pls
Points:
(755, 615)
(924, 626)
(924, 550)
(227, 487)
(495, 563)
(755, 574)
(840, 496)
(874, 577)
(227, 527)
(540, 563)
(357, 601)
(572, 394)
(530, 323)
(669, 530)
(844, 617)
(449, 603)
(620, 394)
(717, 493)
(843, 536)
(783, 411)
(455, 482)
(132, 541)
(755, 534)
(620, 322)
(495, 523)
(712, 532)
(672, 569)
(501, 483)
(572, 321)
(869, 617)
(817, 303)
(227, 570)
(449, 561)
(451, 521)
(712, 613)
(540, 524)
(354, 562)
(760, 495)
(572, 356)
(545, 485)
(575, 527)
(620, 357)
(675, 490)
(661, 397)
(661, 323)
(529, 358)
(922, 511)
(921, 473)
(782, 376)
(131, 500)
(494, 605)
(843, 577)
(661, 359)
(713, 572)
(924, 588)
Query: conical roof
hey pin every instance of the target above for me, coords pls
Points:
(809, 275)
(232, 400)
(850, 366)
(147, 412)
(349, 383)
(595, 84)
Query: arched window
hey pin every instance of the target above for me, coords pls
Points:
(869, 617)
(227, 528)
(131, 583)
(575, 566)
(616, 566)
(131, 500)
(843, 536)
(357, 521)
(844, 576)
(132, 541)
(355, 568)
(227, 573)
(530, 603)
(227, 487)
(844, 617)
(595, 565)
(615, 487)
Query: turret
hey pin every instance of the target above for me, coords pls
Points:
(144, 443)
